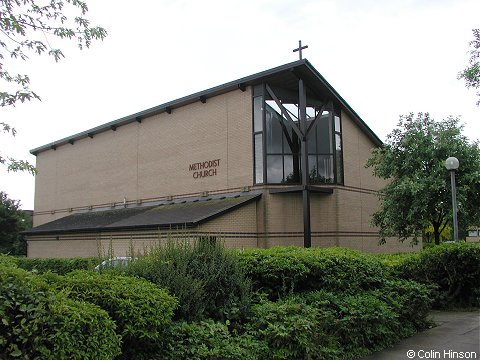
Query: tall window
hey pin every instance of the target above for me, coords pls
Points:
(258, 137)
(277, 146)
(338, 150)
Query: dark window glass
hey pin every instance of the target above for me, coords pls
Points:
(274, 134)
(258, 158)
(312, 140)
(339, 158)
(290, 175)
(324, 135)
(313, 168)
(274, 169)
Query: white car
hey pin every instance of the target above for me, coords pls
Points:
(115, 261)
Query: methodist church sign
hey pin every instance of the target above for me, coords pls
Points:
(204, 169)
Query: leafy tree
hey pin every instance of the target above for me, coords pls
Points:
(418, 193)
(31, 27)
(12, 222)
(471, 74)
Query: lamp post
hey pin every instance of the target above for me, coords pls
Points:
(452, 164)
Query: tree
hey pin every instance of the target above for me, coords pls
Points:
(418, 193)
(12, 222)
(471, 74)
(30, 27)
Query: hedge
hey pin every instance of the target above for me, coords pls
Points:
(287, 270)
(141, 310)
(38, 322)
(208, 340)
(453, 269)
(330, 325)
(292, 329)
(58, 266)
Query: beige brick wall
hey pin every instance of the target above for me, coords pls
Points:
(150, 159)
(356, 150)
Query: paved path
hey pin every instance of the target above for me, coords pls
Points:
(457, 336)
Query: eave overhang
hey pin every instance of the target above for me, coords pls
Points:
(184, 214)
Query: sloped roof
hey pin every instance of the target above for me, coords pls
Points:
(184, 214)
(285, 76)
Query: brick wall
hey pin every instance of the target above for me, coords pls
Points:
(149, 159)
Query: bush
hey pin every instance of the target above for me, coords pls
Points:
(411, 301)
(361, 323)
(206, 279)
(141, 310)
(208, 340)
(292, 330)
(38, 323)
(283, 271)
(58, 266)
(453, 268)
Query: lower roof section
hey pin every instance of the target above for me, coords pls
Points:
(185, 214)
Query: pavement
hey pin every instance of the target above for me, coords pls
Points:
(456, 336)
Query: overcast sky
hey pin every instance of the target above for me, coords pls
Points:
(385, 58)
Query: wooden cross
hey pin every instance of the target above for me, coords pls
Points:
(300, 48)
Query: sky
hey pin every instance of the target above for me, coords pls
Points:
(385, 58)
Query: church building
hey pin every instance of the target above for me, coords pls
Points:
(273, 159)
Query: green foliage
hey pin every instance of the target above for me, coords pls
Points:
(206, 279)
(58, 266)
(418, 192)
(12, 222)
(283, 271)
(453, 268)
(208, 340)
(471, 74)
(361, 323)
(39, 323)
(411, 301)
(140, 309)
(392, 260)
(29, 27)
(292, 330)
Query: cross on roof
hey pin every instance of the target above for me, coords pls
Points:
(300, 48)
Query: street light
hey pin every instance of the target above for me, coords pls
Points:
(452, 164)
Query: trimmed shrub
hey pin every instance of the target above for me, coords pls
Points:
(292, 330)
(208, 340)
(58, 266)
(280, 272)
(207, 280)
(38, 323)
(361, 323)
(453, 268)
(141, 310)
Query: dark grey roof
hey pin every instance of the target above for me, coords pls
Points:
(160, 216)
(285, 76)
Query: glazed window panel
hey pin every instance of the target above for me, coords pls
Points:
(282, 144)
(324, 135)
(275, 169)
(258, 158)
(274, 134)
(258, 114)
(325, 169)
